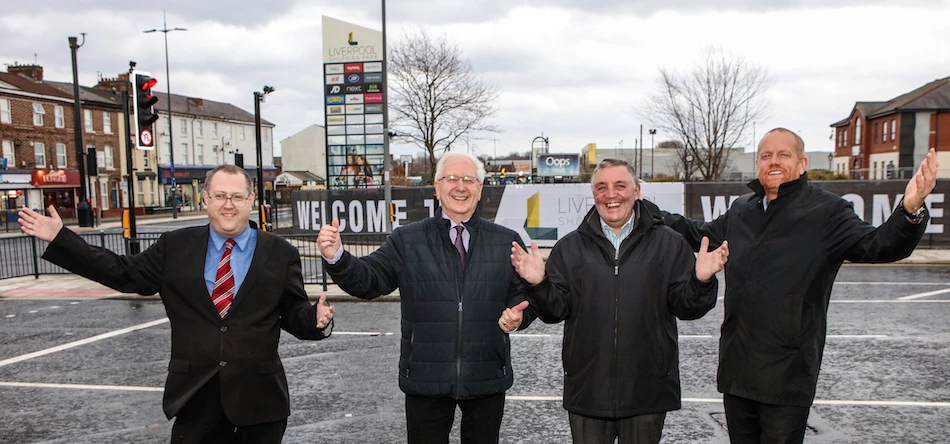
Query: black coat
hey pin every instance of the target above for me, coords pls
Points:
(242, 347)
(782, 265)
(451, 342)
(620, 352)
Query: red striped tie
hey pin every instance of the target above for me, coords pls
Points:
(223, 291)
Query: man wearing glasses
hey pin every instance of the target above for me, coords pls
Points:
(228, 290)
(455, 279)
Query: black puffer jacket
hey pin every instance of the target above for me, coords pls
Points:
(451, 343)
(620, 353)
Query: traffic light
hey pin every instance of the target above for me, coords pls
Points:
(143, 114)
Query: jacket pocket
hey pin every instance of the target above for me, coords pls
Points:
(268, 367)
(178, 365)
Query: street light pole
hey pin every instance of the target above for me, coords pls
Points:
(652, 151)
(84, 213)
(171, 144)
(258, 98)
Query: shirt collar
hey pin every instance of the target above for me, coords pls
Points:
(452, 223)
(239, 240)
(606, 228)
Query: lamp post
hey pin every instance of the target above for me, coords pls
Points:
(84, 213)
(533, 156)
(652, 148)
(258, 98)
(831, 158)
(171, 144)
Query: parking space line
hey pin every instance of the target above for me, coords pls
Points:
(363, 333)
(81, 342)
(127, 388)
(890, 301)
(845, 402)
(923, 295)
(892, 283)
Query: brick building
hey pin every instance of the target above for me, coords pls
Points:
(881, 140)
(40, 165)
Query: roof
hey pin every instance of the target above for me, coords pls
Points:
(29, 85)
(306, 176)
(204, 108)
(89, 95)
(933, 96)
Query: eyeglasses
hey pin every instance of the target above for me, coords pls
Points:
(238, 200)
(453, 179)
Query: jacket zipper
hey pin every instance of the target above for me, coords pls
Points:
(458, 344)
(616, 315)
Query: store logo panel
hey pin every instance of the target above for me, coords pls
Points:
(374, 98)
(334, 100)
(373, 67)
(353, 67)
(334, 79)
(333, 69)
(373, 77)
(354, 79)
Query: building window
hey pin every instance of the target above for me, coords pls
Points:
(140, 186)
(857, 131)
(241, 133)
(8, 154)
(38, 112)
(876, 138)
(184, 151)
(107, 122)
(167, 153)
(87, 118)
(200, 153)
(39, 154)
(884, 132)
(227, 130)
(58, 112)
(214, 130)
(145, 159)
(198, 129)
(5, 116)
(893, 129)
(61, 155)
(104, 195)
(110, 163)
(266, 132)
(875, 170)
(846, 138)
(184, 127)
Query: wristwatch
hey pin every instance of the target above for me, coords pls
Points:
(916, 216)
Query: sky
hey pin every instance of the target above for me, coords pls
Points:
(575, 72)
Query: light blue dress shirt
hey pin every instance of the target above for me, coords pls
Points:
(241, 255)
(617, 238)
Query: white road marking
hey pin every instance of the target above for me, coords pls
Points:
(892, 283)
(362, 333)
(81, 342)
(848, 402)
(889, 301)
(923, 295)
(128, 388)
(525, 335)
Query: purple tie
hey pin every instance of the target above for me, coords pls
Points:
(458, 243)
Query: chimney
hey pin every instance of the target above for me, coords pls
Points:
(119, 83)
(34, 72)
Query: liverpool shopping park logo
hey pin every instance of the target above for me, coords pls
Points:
(532, 223)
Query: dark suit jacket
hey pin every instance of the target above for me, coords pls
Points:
(242, 348)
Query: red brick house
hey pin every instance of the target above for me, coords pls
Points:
(881, 140)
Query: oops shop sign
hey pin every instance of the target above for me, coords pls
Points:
(558, 165)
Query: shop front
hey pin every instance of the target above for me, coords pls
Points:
(14, 194)
(59, 189)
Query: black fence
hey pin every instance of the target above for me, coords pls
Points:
(22, 255)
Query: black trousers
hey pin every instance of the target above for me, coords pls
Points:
(752, 422)
(202, 421)
(429, 420)
(640, 429)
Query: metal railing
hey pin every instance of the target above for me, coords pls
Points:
(22, 255)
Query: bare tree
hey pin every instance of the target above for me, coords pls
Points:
(436, 98)
(710, 108)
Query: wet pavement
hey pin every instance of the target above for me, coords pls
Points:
(884, 378)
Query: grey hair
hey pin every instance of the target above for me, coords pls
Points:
(479, 166)
(230, 169)
(607, 163)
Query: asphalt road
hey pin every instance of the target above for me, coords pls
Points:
(884, 378)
